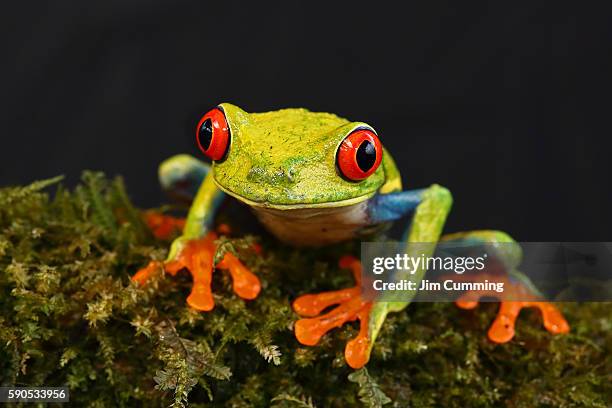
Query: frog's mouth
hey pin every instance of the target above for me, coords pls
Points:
(267, 204)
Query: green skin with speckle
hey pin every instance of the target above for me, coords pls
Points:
(286, 160)
(288, 157)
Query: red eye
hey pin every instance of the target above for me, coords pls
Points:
(359, 155)
(213, 134)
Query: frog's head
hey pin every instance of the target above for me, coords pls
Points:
(291, 158)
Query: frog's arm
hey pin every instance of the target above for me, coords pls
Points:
(174, 173)
(431, 207)
(204, 208)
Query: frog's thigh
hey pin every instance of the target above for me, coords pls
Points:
(181, 176)
(478, 236)
(505, 247)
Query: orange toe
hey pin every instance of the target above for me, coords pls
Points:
(313, 304)
(553, 320)
(245, 283)
(144, 274)
(307, 331)
(502, 329)
(467, 301)
(201, 298)
(357, 351)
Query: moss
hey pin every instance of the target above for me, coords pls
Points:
(69, 315)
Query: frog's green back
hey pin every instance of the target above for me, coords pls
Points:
(288, 157)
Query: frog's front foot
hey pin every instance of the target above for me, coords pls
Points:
(351, 306)
(502, 330)
(196, 256)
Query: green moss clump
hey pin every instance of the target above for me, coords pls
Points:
(69, 315)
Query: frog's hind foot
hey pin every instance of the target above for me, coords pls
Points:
(350, 306)
(503, 328)
(197, 257)
(163, 226)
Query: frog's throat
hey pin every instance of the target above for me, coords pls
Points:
(329, 204)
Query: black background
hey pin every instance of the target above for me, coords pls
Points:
(505, 105)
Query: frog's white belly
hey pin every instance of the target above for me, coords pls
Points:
(314, 226)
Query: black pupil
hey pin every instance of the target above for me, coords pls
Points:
(205, 134)
(366, 155)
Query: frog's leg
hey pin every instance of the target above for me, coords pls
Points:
(431, 207)
(195, 249)
(502, 329)
(179, 176)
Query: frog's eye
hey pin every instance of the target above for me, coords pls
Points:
(213, 134)
(359, 155)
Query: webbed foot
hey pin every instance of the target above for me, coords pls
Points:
(197, 255)
(503, 328)
(163, 226)
(351, 306)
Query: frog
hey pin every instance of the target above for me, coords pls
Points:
(312, 179)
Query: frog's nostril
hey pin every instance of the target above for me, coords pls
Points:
(290, 174)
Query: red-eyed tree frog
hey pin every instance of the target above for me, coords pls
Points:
(312, 179)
